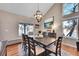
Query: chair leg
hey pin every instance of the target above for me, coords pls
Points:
(60, 52)
(56, 54)
(24, 49)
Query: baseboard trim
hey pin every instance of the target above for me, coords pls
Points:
(69, 45)
(12, 42)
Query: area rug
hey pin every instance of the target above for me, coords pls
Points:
(63, 53)
(22, 52)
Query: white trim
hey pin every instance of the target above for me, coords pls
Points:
(69, 45)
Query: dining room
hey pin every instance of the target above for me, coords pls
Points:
(39, 29)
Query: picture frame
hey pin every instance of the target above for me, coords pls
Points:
(48, 23)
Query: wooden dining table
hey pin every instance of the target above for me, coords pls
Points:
(45, 42)
(3, 51)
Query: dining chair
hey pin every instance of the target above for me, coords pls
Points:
(25, 42)
(33, 49)
(56, 47)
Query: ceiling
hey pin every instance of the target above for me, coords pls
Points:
(25, 9)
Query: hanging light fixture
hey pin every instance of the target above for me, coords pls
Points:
(38, 15)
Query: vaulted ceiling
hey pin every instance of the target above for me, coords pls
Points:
(25, 9)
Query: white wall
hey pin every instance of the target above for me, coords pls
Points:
(9, 25)
(55, 11)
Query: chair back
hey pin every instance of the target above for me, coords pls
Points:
(24, 38)
(58, 45)
(25, 43)
(31, 45)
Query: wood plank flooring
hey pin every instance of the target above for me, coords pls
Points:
(71, 50)
(13, 50)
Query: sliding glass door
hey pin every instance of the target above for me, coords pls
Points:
(27, 29)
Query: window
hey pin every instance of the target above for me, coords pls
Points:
(26, 29)
(69, 8)
(70, 28)
(21, 29)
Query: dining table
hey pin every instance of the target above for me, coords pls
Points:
(3, 50)
(44, 42)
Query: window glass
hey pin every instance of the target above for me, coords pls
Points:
(26, 29)
(21, 29)
(69, 8)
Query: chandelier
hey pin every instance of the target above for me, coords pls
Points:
(38, 15)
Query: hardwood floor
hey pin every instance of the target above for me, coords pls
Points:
(71, 50)
(13, 50)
